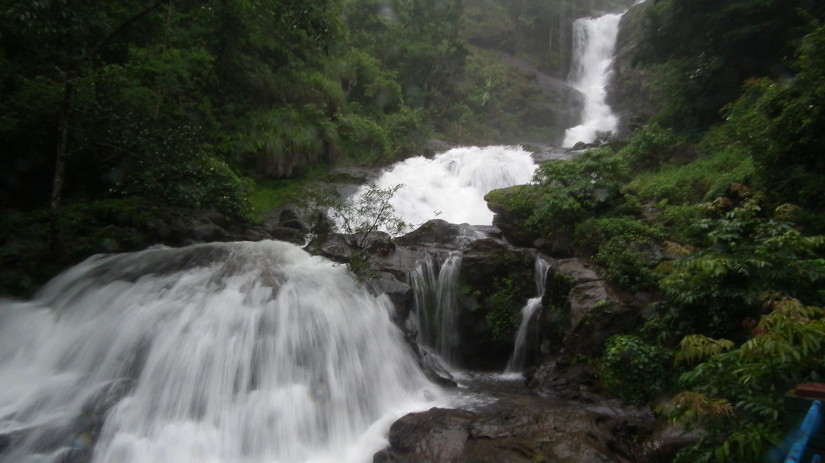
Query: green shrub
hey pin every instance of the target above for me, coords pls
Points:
(746, 256)
(623, 245)
(635, 371)
(751, 379)
(503, 316)
(572, 190)
(182, 175)
(650, 146)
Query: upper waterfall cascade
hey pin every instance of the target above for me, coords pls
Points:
(237, 352)
(594, 42)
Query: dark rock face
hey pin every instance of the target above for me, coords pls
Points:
(435, 233)
(583, 311)
(629, 92)
(519, 429)
(495, 281)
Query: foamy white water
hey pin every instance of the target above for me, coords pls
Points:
(224, 353)
(594, 42)
(435, 292)
(451, 186)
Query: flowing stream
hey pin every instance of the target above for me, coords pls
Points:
(238, 352)
(594, 43)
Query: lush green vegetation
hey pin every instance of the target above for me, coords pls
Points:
(117, 119)
(724, 225)
(210, 108)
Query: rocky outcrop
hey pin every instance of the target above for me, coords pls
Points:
(494, 283)
(518, 429)
(629, 93)
(583, 310)
(507, 219)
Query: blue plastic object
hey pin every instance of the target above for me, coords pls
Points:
(808, 427)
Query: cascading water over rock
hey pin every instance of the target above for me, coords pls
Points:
(238, 352)
(594, 41)
(528, 312)
(451, 186)
(436, 304)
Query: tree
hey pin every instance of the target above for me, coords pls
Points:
(365, 221)
(783, 126)
(740, 39)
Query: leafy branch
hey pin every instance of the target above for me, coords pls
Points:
(364, 220)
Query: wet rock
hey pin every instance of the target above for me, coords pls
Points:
(399, 293)
(629, 92)
(340, 246)
(438, 435)
(434, 233)
(665, 442)
(495, 281)
(517, 429)
(288, 234)
(435, 370)
(506, 218)
(583, 311)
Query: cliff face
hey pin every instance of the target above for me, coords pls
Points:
(630, 93)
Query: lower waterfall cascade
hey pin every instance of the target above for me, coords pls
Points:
(237, 352)
(517, 360)
(435, 304)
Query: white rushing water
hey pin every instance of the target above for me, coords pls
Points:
(219, 353)
(517, 360)
(451, 185)
(436, 305)
(594, 43)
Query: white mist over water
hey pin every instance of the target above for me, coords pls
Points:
(451, 186)
(219, 353)
(594, 42)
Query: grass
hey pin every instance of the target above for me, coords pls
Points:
(700, 180)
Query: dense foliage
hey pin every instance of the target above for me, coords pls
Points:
(724, 225)
(701, 72)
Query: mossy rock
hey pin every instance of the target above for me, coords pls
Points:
(495, 282)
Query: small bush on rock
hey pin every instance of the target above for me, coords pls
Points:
(634, 370)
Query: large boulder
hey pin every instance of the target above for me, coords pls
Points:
(519, 429)
(510, 205)
(582, 312)
(495, 282)
(441, 235)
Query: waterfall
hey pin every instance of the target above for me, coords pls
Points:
(594, 42)
(519, 355)
(451, 185)
(436, 305)
(237, 352)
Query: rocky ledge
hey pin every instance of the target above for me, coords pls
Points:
(520, 428)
